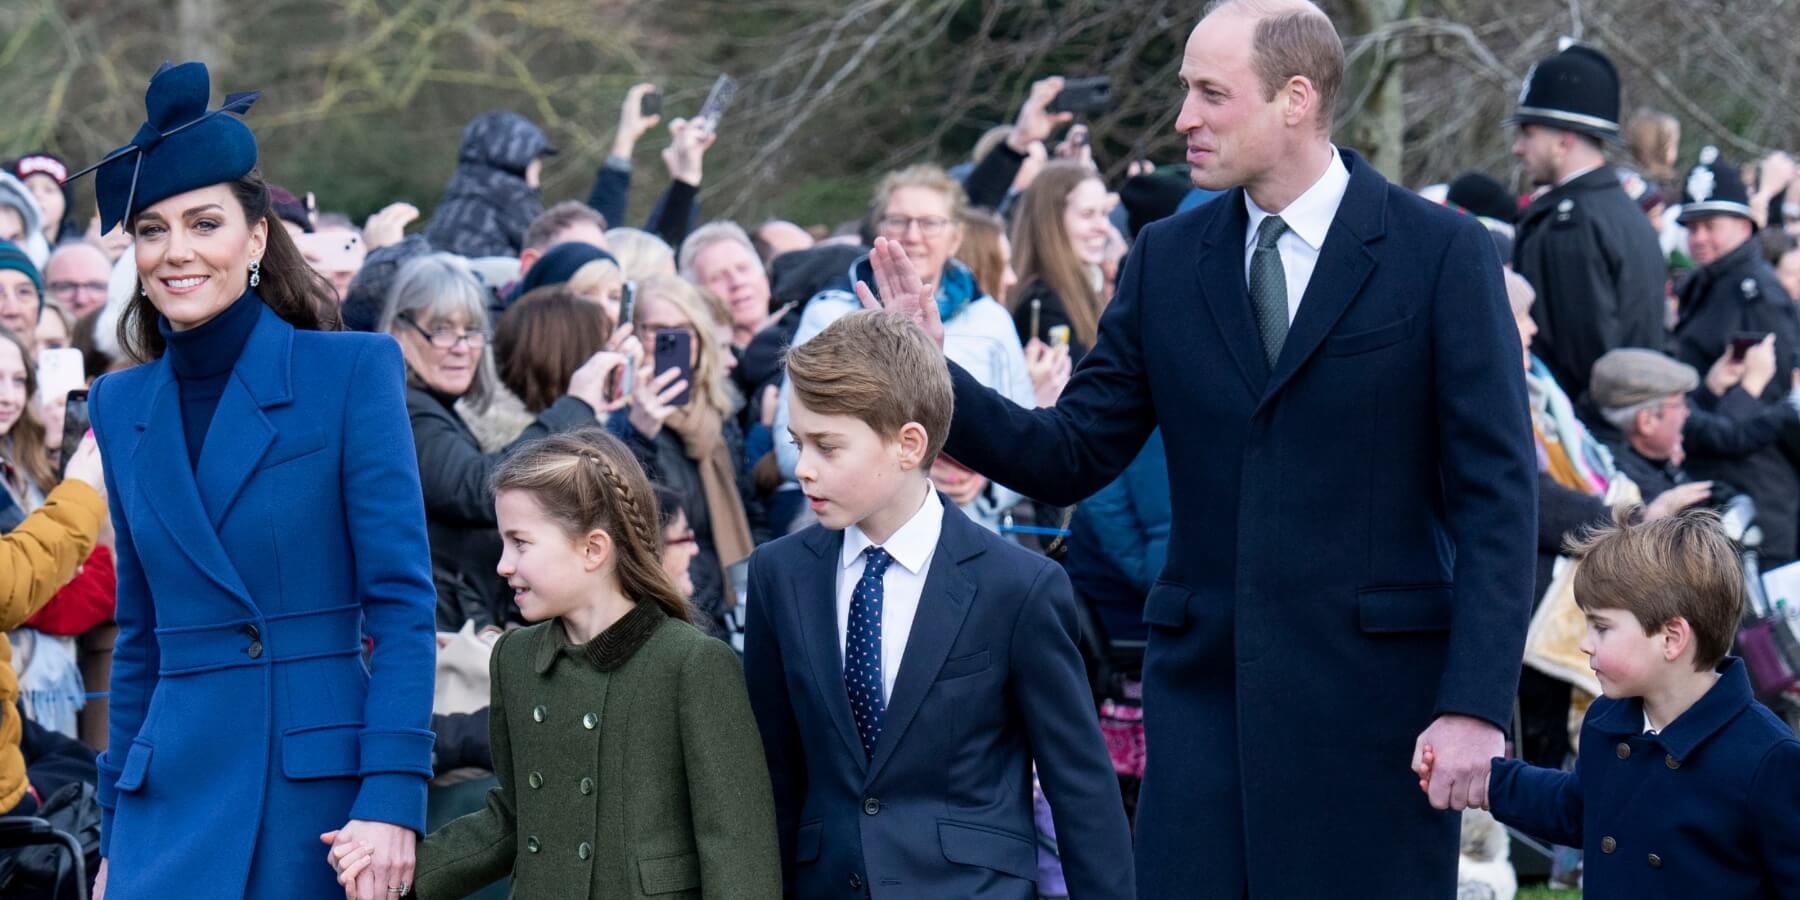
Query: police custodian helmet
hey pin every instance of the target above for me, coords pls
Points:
(1577, 89)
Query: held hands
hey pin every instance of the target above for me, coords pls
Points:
(633, 124)
(901, 291)
(374, 860)
(1452, 759)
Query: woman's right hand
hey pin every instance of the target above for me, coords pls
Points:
(100, 882)
(1049, 368)
(86, 467)
(650, 399)
(588, 384)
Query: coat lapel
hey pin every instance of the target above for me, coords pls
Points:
(1225, 293)
(943, 606)
(240, 432)
(818, 624)
(1344, 265)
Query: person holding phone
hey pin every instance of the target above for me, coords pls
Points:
(265, 498)
(690, 439)
(1059, 243)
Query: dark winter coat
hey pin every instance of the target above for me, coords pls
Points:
(487, 206)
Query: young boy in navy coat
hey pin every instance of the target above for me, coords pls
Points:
(906, 667)
(1686, 786)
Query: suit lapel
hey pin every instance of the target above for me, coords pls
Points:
(1344, 265)
(1224, 291)
(943, 605)
(818, 624)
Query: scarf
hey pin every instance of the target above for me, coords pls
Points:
(702, 433)
(1565, 448)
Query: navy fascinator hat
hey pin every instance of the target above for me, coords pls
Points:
(182, 146)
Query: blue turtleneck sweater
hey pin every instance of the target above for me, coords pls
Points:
(203, 359)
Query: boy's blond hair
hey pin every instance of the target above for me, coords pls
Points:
(880, 368)
(1682, 566)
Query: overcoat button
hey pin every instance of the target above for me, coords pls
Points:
(1671, 761)
(589, 721)
(255, 650)
(587, 786)
(1624, 750)
(536, 780)
(1655, 861)
(585, 850)
(531, 844)
(537, 714)
(1608, 845)
(855, 881)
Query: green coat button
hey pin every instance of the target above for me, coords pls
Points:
(585, 850)
(536, 780)
(537, 714)
(587, 786)
(531, 844)
(589, 721)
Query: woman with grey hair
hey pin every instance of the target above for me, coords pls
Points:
(437, 310)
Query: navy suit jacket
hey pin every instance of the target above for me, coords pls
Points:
(1352, 544)
(991, 682)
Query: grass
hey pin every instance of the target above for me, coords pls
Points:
(1543, 892)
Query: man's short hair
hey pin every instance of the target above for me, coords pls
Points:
(1682, 566)
(1294, 38)
(542, 232)
(707, 235)
(880, 368)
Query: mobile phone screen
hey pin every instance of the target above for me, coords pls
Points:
(724, 90)
(75, 426)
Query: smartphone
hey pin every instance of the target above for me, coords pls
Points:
(675, 350)
(1743, 341)
(650, 104)
(1059, 335)
(75, 426)
(724, 90)
(1084, 96)
(332, 251)
(1037, 307)
(627, 304)
(60, 371)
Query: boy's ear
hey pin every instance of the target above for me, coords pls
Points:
(1677, 638)
(596, 550)
(913, 443)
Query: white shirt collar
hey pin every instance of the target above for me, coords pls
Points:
(1309, 216)
(910, 546)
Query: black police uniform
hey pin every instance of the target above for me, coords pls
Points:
(1586, 247)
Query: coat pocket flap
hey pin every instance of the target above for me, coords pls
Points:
(1372, 339)
(964, 665)
(137, 765)
(807, 840)
(989, 848)
(1387, 610)
(321, 751)
(668, 874)
(1167, 605)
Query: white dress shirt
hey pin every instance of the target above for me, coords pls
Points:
(912, 547)
(1308, 220)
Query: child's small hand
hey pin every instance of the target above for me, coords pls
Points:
(1427, 759)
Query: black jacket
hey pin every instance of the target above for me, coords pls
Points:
(1735, 293)
(459, 508)
(487, 205)
(1599, 274)
(1051, 313)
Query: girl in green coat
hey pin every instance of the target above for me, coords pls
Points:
(628, 760)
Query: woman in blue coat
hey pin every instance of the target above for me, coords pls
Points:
(266, 498)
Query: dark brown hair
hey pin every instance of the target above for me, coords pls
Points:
(289, 286)
(1042, 254)
(29, 447)
(588, 480)
(880, 368)
(980, 250)
(543, 338)
(552, 221)
(1679, 567)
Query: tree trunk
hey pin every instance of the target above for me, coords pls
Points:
(1373, 112)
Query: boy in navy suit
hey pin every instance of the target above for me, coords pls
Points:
(907, 668)
(1686, 786)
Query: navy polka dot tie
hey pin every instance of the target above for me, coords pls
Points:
(862, 650)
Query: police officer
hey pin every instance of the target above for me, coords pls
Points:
(1734, 294)
(1583, 244)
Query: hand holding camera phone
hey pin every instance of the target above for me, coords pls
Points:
(1084, 96)
(1742, 341)
(724, 90)
(675, 350)
(75, 427)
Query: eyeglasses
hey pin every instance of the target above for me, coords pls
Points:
(69, 288)
(929, 226)
(446, 338)
(652, 329)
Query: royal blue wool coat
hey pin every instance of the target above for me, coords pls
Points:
(1352, 544)
(1708, 807)
(245, 721)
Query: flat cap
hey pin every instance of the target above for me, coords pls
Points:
(1629, 376)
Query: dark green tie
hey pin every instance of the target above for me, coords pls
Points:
(1268, 287)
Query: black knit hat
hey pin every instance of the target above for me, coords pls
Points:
(1483, 196)
(1577, 89)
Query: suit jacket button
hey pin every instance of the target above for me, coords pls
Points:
(537, 713)
(871, 806)
(1671, 761)
(255, 650)
(536, 780)
(587, 786)
(585, 850)
(855, 881)
(1608, 845)
(1655, 861)
(531, 844)
(1624, 750)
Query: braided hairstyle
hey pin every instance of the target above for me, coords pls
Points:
(588, 480)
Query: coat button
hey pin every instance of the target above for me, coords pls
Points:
(1624, 750)
(536, 780)
(871, 806)
(585, 850)
(855, 881)
(255, 650)
(590, 721)
(531, 844)
(587, 786)
(1655, 861)
(1671, 761)
(537, 713)
(1608, 845)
